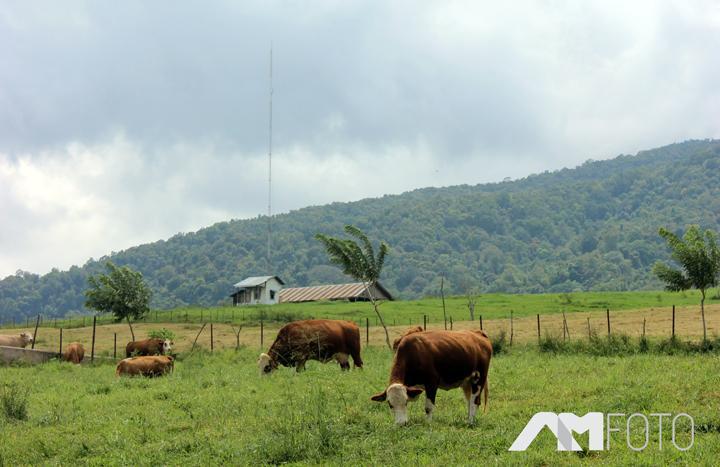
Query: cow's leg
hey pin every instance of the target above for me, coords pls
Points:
(472, 389)
(342, 359)
(430, 393)
(357, 361)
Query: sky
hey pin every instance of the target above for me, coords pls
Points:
(123, 123)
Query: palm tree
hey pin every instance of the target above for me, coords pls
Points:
(698, 255)
(357, 259)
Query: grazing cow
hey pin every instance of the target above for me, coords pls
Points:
(148, 347)
(22, 340)
(438, 359)
(74, 353)
(155, 365)
(412, 330)
(315, 339)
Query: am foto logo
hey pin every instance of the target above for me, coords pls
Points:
(564, 424)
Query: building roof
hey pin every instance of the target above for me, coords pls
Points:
(331, 292)
(255, 281)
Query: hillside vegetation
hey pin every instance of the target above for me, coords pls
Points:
(589, 228)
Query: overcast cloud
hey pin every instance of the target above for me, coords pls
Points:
(126, 122)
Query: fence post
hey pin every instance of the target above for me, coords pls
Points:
(37, 323)
(588, 324)
(673, 325)
(262, 331)
(367, 331)
(451, 323)
(607, 311)
(115, 345)
(212, 338)
(644, 327)
(481, 327)
(60, 349)
(538, 322)
(512, 329)
(92, 348)
(565, 326)
(424, 322)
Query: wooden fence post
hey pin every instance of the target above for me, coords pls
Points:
(643, 327)
(673, 325)
(60, 349)
(92, 347)
(538, 326)
(37, 323)
(262, 331)
(451, 323)
(212, 338)
(565, 326)
(512, 329)
(481, 328)
(607, 311)
(424, 322)
(115, 345)
(588, 326)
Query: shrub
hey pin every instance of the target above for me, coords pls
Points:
(14, 401)
(161, 334)
(499, 342)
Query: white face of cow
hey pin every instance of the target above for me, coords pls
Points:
(167, 346)
(397, 396)
(265, 365)
(27, 337)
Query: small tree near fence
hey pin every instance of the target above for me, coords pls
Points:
(358, 260)
(121, 291)
(698, 256)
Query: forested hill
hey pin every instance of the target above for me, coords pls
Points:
(589, 228)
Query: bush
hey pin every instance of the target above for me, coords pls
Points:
(14, 401)
(161, 334)
(499, 343)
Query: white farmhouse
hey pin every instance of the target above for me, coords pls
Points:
(262, 290)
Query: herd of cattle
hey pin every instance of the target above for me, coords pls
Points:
(424, 360)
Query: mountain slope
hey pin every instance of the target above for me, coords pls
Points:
(589, 228)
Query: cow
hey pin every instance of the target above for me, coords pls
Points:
(21, 340)
(433, 360)
(74, 353)
(412, 330)
(148, 347)
(154, 365)
(315, 339)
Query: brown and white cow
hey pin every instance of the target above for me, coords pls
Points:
(315, 339)
(21, 340)
(154, 365)
(148, 347)
(412, 330)
(433, 360)
(74, 353)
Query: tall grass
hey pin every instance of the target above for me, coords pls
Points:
(14, 402)
(624, 345)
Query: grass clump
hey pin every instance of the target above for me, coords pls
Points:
(625, 345)
(14, 402)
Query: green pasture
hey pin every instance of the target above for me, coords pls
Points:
(215, 409)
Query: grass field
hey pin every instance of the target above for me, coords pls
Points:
(216, 409)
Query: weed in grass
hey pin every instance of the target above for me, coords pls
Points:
(499, 342)
(14, 400)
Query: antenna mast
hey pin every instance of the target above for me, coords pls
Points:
(269, 214)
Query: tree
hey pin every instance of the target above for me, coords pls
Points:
(121, 291)
(357, 259)
(698, 255)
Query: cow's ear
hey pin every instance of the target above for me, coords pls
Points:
(379, 397)
(413, 392)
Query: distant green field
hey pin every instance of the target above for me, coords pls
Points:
(490, 306)
(215, 409)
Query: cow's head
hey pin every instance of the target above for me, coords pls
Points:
(266, 364)
(27, 338)
(397, 396)
(167, 346)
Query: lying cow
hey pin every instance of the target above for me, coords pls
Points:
(22, 340)
(148, 347)
(438, 359)
(155, 365)
(315, 339)
(412, 330)
(74, 353)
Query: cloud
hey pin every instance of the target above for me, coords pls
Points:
(123, 123)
